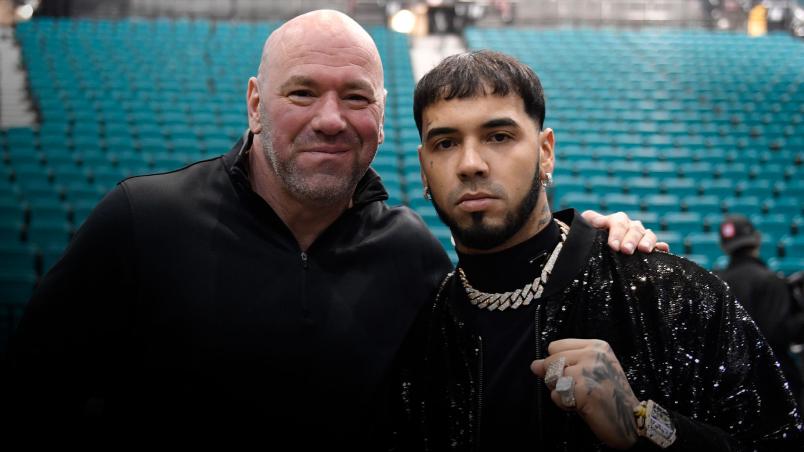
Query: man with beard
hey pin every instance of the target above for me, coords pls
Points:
(544, 339)
(270, 287)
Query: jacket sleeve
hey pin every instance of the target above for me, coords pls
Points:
(70, 331)
(409, 389)
(410, 379)
(732, 393)
(773, 311)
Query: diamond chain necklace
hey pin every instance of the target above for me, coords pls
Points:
(519, 297)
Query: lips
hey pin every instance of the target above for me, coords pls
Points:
(328, 149)
(474, 202)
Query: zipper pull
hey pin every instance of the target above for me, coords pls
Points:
(304, 259)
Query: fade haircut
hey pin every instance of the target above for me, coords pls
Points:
(479, 73)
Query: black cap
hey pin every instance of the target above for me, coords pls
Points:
(737, 232)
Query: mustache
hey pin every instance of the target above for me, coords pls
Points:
(491, 188)
(313, 138)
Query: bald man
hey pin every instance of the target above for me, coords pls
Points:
(271, 286)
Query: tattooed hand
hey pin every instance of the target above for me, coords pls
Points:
(603, 397)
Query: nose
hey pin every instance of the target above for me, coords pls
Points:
(471, 164)
(328, 118)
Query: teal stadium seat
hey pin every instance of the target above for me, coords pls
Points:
(787, 265)
(701, 204)
(795, 189)
(661, 204)
(616, 202)
(564, 184)
(674, 239)
(703, 243)
(626, 169)
(49, 233)
(429, 215)
(682, 222)
(767, 171)
(646, 156)
(49, 210)
(793, 246)
(50, 255)
(762, 189)
(661, 170)
(778, 224)
(770, 246)
(580, 201)
(605, 185)
(16, 287)
(697, 170)
(722, 188)
(745, 205)
(680, 187)
(786, 205)
(642, 186)
(590, 168)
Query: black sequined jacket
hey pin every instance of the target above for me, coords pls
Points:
(678, 333)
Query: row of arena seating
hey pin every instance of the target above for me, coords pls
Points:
(668, 126)
(676, 127)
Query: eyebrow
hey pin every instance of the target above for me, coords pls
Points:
(434, 132)
(359, 85)
(490, 124)
(301, 80)
(297, 80)
(499, 122)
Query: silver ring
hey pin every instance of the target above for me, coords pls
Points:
(565, 387)
(554, 371)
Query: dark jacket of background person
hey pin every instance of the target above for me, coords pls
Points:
(680, 336)
(184, 300)
(767, 299)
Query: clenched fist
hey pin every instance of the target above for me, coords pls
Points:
(603, 397)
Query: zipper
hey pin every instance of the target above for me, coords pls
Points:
(479, 389)
(539, 390)
(303, 289)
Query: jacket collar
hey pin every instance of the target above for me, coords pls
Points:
(575, 252)
(369, 188)
(739, 260)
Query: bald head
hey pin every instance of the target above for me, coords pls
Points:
(316, 108)
(325, 32)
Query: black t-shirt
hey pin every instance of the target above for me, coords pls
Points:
(508, 338)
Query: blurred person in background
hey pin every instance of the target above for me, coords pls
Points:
(764, 295)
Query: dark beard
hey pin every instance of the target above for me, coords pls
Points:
(481, 237)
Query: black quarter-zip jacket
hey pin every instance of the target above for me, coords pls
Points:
(185, 298)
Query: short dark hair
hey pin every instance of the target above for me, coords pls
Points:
(476, 73)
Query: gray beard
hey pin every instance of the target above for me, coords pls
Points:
(337, 189)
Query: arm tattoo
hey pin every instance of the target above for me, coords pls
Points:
(604, 371)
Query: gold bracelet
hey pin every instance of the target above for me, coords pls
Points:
(654, 423)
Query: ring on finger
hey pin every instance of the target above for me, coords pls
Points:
(554, 371)
(565, 387)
